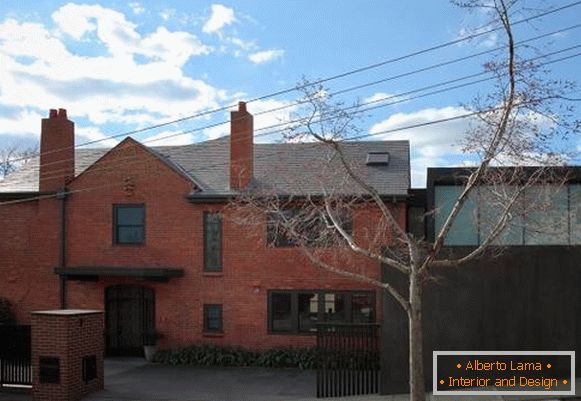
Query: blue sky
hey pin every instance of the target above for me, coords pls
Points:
(118, 66)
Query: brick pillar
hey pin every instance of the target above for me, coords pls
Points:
(67, 351)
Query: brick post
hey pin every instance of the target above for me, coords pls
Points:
(67, 354)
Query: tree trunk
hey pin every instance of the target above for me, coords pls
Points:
(416, 362)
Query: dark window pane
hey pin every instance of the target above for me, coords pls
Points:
(362, 308)
(212, 242)
(335, 308)
(129, 215)
(212, 317)
(308, 311)
(130, 234)
(281, 312)
(129, 223)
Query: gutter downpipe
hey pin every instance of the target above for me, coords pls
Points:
(62, 196)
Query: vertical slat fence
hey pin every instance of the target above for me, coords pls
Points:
(15, 350)
(348, 359)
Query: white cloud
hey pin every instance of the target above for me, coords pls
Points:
(38, 72)
(25, 122)
(167, 13)
(93, 133)
(380, 97)
(431, 144)
(221, 16)
(137, 8)
(169, 138)
(121, 37)
(265, 56)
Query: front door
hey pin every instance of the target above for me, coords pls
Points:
(130, 315)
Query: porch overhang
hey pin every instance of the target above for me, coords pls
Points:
(93, 273)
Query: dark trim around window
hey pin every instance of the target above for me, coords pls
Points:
(216, 326)
(294, 321)
(116, 226)
(212, 246)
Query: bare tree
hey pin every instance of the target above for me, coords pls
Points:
(14, 156)
(516, 126)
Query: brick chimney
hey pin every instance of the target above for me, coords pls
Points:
(57, 151)
(241, 147)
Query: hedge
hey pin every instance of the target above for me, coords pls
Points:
(212, 355)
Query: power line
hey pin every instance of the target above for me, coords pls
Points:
(352, 88)
(357, 137)
(403, 97)
(478, 33)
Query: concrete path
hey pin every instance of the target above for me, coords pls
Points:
(132, 379)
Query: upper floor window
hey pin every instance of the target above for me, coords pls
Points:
(295, 226)
(542, 215)
(129, 224)
(212, 242)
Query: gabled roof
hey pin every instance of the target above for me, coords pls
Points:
(287, 168)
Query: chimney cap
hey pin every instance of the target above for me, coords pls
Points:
(242, 107)
(63, 113)
(52, 113)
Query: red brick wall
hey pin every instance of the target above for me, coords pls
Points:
(70, 337)
(29, 251)
(174, 238)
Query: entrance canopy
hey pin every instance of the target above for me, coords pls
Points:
(93, 273)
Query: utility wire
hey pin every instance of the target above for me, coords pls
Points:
(357, 137)
(478, 33)
(399, 98)
(352, 88)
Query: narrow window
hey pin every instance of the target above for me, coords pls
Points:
(281, 312)
(129, 224)
(212, 242)
(213, 318)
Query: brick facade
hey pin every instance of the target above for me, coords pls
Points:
(130, 174)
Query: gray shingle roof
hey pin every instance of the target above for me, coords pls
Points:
(286, 168)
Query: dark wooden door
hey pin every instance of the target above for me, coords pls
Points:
(130, 316)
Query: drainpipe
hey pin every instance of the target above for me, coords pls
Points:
(62, 196)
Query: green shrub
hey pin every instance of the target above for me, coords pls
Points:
(212, 355)
(6, 313)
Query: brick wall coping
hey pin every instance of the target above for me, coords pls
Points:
(67, 312)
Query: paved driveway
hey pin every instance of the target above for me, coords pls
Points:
(132, 379)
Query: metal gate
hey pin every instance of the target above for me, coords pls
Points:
(348, 359)
(15, 350)
(130, 312)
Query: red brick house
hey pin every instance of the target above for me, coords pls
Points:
(144, 233)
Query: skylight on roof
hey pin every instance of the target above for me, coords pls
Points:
(377, 159)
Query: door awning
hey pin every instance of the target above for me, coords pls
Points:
(93, 273)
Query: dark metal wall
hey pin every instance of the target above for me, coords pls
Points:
(529, 298)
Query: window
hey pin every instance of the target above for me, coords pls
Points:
(213, 318)
(299, 311)
(317, 230)
(281, 312)
(129, 224)
(541, 215)
(212, 242)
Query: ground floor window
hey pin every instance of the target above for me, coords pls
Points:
(299, 311)
(213, 318)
